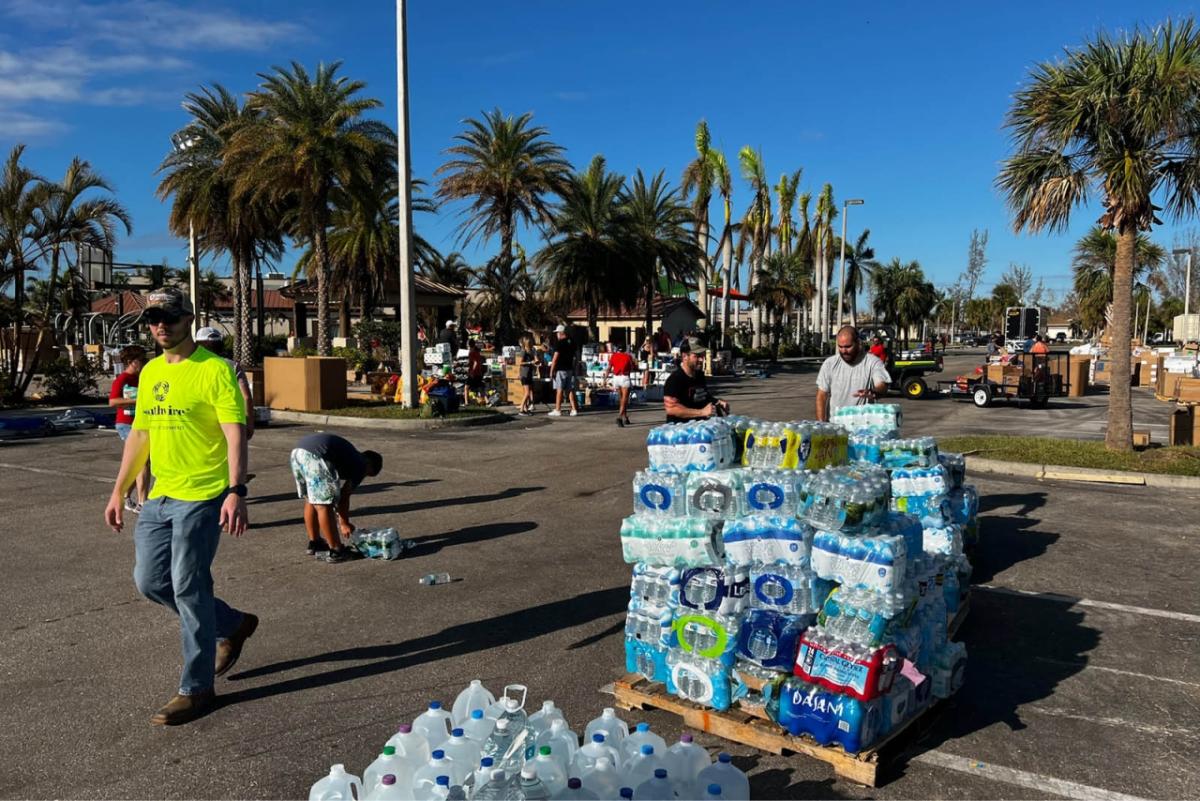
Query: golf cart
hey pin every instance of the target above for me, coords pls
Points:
(1035, 379)
(908, 375)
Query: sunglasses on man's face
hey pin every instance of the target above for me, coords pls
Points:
(157, 316)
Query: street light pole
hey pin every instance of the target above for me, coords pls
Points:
(1187, 278)
(842, 269)
(182, 144)
(408, 306)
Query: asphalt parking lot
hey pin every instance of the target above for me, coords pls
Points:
(1083, 679)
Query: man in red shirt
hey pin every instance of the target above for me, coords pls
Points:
(123, 397)
(620, 365)
(878, 350)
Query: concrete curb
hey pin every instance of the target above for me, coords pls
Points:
(1085, 474)
(390, 425)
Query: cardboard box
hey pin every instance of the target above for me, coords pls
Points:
(255, 376)
(304, 385)
(1008, 374)
(1186, 390)
(1141, 439)
(1184, 426)
(1078, 377)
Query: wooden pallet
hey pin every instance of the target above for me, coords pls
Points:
(748, 723)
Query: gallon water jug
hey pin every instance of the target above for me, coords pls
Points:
(640, 768)
(501, 746)
(412, 745)
(497, 788)
(685, 760)
(734, 784)
(713, 793)
(656, 788)
(576, 792)
(481, 776)
(612, 727)
(562, 741)
(439, 790)
(549, 771)
(540, 721)
(425, 777)
(478, 726)
(464, 753)
(532, 788)
(390, 789)
(603, 779)
(475, 696)
(336, 786)
(434, 723)
(387, 763)
(585, 758)
(497, 710)
(631, 746)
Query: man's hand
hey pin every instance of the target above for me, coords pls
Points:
(345, 528)
(707, 411)
(114, 513)
(233, 515)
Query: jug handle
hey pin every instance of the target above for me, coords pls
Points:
(524, 691)
(356, 790)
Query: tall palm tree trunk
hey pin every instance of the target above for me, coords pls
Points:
(321, 253)
(756, 312)
(702, 275)
(504, 306)
(249, 314)
(1119, 434)
(239, 309)
(727, 260)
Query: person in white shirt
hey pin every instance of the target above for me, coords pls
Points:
(851, 377)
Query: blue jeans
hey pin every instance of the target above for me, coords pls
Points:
(174, 543)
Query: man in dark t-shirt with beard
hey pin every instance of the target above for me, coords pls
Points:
(685, 395)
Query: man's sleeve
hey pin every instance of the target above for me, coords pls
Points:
(118, 385)
(227, 398)
(879, 373)
(671, 388)
(823, 377)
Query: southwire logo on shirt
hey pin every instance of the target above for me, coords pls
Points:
(160, 391)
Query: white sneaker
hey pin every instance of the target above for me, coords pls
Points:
(574, 412)
(554, 413)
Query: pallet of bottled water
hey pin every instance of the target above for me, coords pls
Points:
(488, 748)
(809, 570)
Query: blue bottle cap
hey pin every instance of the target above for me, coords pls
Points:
(714, 789)
(435, 704)
(597, 738)
(486, 762)
(724, 757)
(456, 732)
(643, 727)
(626, 792)
(443, 780)
(660, 773)
(438, 754)
(476, 714)
(647, 749)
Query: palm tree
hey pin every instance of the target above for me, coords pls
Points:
(656, 239)
(860, 261)
(1116, 116)
(583, 263)
(205, 198)
(700, 176)
(777, 290)
(309, 141)
(1093, 266)
(22, 244)
(805, 251)
(506, 168)
(823, 258)
(756, 224)
(724, 184)
(903, 298)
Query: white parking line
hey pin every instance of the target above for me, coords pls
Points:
(1089, 666)
(1121, 723)
(43, 471)
(1072, 600)
(1020, 778)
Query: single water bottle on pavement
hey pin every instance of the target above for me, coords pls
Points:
(336, 786)
(656, 788)
(435, 578)
(433, 724)
(576, 792)
(734, 784)
(475, 696)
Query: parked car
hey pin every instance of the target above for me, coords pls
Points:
(1061, 336)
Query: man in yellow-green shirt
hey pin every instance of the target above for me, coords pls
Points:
(190, 423)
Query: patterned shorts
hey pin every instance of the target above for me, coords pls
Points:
(316, 480)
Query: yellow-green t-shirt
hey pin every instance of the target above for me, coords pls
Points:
(183, 405)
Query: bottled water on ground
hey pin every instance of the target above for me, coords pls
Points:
(434, 578)
(918, 452)
(587, 756)
(337, 786)
(766, 491)
(734, 784)
(716, 495)
(879, 419)
(612, 727)
(722, 591)
(434, 724)
(603, 779)
(478, 726)
(531, 786)
(845, 498)
(656, 788)
(576, 792)
(463, 752)
(659, 494)
(379, 543)
(541, 720)
(640, 767)
(766, 539)
(475, 696)
(387, 763)
(563, 744)
(631, 746)
(552, 774)
(427, 775)
(685, 760)
(411, 744)
(502, 746)
(389, 789)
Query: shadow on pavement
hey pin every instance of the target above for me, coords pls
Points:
(464, 638)
(1027, 501)
(415, 506)
(777, 783)
(432, 543)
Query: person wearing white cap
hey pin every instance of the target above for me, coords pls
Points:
(449, 335)
(562, 371)
(210, 338)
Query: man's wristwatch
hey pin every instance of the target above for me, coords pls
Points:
(238, 490)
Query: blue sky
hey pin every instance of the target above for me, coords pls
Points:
(898, 103)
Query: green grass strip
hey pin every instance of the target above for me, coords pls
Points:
(1076, 453)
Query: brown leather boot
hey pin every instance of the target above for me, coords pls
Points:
(229, 650)
(184, 709)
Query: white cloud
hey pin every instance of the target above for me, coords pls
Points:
(17, 125)
(19, 88)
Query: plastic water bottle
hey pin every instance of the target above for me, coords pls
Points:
(475, 696)
(480, 776)
(457, 793)
(478, 726)
(553, 775)
(656, 788)
(631, 746)
(389, 789)
(496, 788)
(640, 768)
(336, 786)
(532, 788)
(576, 792)
(603, 778)
(434, 578)
(439, 790)
(427, 775)
(563, 743)
(587, 756)
(411, 745)
(387, 763)
(463, 752)
(734, 784)
(713, 793)
(626, 794)
(433, 724)
(612, 727)
(685, 760)
(499, 744)
(540, 721)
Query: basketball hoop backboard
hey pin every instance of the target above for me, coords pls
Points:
(95, 265)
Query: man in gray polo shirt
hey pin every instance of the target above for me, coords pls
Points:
(850, 378)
